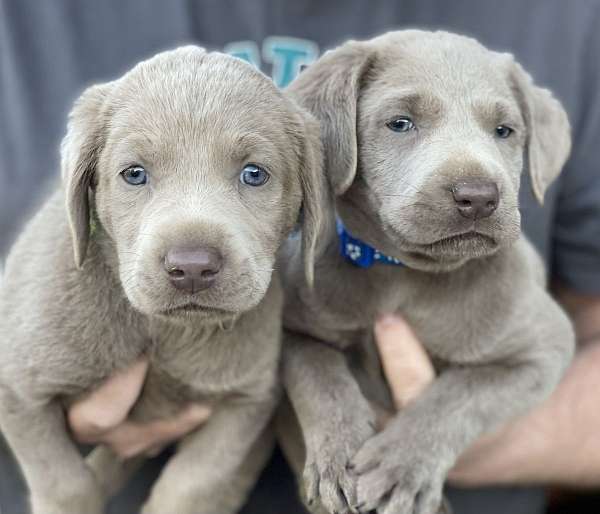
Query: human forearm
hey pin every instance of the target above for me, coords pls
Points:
(557, 443)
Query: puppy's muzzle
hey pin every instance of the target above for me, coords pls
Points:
(476, 200)
(193, 269)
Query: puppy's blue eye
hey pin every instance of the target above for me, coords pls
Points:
(253, 175)
(401, 124)
(503, 131)
(135, 175)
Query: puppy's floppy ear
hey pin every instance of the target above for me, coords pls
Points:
(329, 89)
(548, 131)
(314, 193)
(79, 155)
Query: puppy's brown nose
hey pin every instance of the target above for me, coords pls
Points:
(475, 200)
(193, 269)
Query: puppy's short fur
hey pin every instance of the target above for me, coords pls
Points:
(86, 290)
(472, 287)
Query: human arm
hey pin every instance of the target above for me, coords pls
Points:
(556, 443)
(101, 417)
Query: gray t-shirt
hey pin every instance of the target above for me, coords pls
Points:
(51, 50)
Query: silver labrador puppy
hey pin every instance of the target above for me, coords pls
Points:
(180, 182)
(425, 136)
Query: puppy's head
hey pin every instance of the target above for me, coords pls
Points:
(426, 136)
(195, 167)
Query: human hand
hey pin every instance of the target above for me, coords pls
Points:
(409, 372)
(101, 417)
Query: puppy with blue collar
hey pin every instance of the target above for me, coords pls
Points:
(426, 136)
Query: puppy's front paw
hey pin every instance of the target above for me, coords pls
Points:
(328, 481)
(396, 475)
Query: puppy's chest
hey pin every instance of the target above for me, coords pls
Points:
(346, 302)
(211, 364)
(451, 317)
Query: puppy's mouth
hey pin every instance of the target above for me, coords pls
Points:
(192, 309)
(465, 238)
(456, 246)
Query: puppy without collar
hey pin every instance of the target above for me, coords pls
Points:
(425, 137)
(180, 181)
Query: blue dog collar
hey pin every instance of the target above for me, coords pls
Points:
(359, 253)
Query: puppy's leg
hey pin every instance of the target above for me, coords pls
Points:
(334, 416)
(402, 469)
(58, 479)
(246, 475)
(111, 471)
(289, 436)
(209, 474)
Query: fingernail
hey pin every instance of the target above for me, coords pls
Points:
(388, 320)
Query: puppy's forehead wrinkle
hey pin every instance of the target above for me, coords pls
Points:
(457, 108)
(198, 147)
(402, 101)
(204, 146)
(442, 63)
